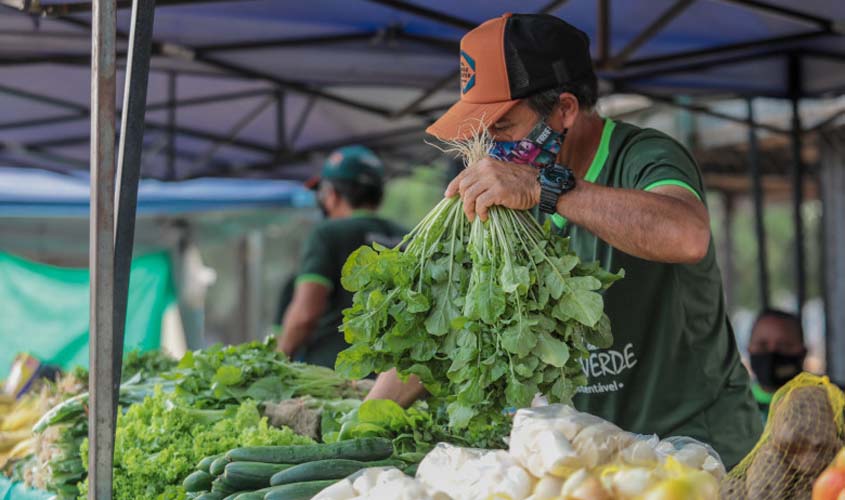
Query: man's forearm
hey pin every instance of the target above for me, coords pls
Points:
(293, 336)
(308, 303)
(648, 225)
(389, 386)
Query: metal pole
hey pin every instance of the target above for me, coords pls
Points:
(603, 29)
(797, 183)
(171, 126)
(757, 200)
(103, 399)
(729, 271)
(129, 165)
(832, 189)
(250, 261)
(281, 132)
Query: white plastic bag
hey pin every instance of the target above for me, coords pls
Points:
(469, 474)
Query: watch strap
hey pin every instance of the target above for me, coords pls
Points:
(548, 199)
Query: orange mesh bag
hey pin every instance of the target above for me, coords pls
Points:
(804, 431)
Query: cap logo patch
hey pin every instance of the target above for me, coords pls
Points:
(467, 72)
(335, 158)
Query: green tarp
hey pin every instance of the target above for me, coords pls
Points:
(44, 310)
(16, 491)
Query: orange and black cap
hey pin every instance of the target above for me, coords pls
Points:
(507, 59)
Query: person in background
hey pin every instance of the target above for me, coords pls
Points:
(285, 298)
(777, 351)
(349, 190)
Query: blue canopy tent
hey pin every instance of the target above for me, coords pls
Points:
(27, 192)
(263, 87)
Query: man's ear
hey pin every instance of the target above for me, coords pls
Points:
(567, 110)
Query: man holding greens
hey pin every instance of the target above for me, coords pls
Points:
(627, 197)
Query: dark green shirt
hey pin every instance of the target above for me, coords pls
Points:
(325, 251)
(674, 367)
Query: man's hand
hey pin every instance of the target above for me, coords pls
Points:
(388, 386)
(492, 182)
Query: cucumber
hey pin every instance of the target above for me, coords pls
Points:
(247, 476)
(219, 485)
(333, 468)
(205, 463)
(234, 495)
(252, 495)
(198, 481)
(210, 496)
(298, 491)
(218, 465)
(364, 449)
(411, 470)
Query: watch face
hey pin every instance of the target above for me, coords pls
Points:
(554, 176)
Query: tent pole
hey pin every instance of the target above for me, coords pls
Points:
(794, 68)
(281, 132)
(103, 399)
(603, 31)
(129, 165)
(171, 126)
(757, 200)
(832, 190)
(250, 256)
(727, 250)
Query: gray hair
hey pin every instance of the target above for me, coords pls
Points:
(586, 91)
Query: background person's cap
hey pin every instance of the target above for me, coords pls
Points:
(356, 164)
(509, 58)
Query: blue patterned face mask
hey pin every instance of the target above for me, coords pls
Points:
(538, 149)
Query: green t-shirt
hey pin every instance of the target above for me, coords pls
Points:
(325, 251)
(674, 367)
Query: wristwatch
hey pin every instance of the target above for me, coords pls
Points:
(555, 181)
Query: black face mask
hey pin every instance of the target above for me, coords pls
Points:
(774, 369)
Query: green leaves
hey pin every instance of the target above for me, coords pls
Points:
(552, 351)
(485, 297)
(518, 339)
(486, 314)
(583, 306)
(228, 375)
(600, 336)
(359, 269)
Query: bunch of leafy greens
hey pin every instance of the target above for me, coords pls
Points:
(414, 431)
(148, 363)
(218, 375)
(486, 313)
(159, 442)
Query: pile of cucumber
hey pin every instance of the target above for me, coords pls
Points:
(285, 472)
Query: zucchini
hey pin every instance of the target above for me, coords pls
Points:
(247, 476)
(364, 449)
(333, 468)
(218, 465)
(205, 463)
(198, 481)
(298, 491)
